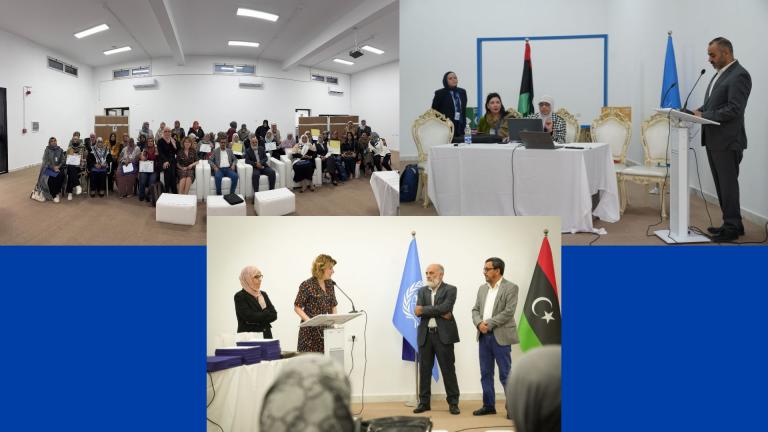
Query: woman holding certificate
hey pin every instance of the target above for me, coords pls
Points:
(149, 158)
(99, 162)
(127, 167)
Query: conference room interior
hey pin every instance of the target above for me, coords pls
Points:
(586, 56)
(182, 66)
(371, 257)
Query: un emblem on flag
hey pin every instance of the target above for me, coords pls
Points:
(409, 302)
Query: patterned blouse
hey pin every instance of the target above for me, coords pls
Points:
(314, 301)
(558, 127)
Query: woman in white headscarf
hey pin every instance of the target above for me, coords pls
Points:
(304, 163)
(254, 310)
(381, 153)
(553, 123)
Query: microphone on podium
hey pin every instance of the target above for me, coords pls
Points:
(685, 106)
(345, 295)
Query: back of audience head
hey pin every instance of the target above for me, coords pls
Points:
(233, 124)
(533, 390)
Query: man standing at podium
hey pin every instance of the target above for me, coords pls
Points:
(725, 102)
(436, 335)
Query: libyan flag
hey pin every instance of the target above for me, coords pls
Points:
(525, 102)
(540, 322)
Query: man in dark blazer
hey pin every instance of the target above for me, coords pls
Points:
(494, 317)
(725, 102)
(257, 157)
(451, 101)
(437, 333)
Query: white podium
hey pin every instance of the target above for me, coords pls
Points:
(333, 334)
(679, 200)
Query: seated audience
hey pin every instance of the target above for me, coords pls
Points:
(275, 132)
(244, 134)
(168, 147)
(90, 142)
(144, 132)
(285, 146)
(196, 130)
(51, 179)
(381, 154)
(364, 128)
(147, 179)
(186, 161)
(206, 140)
(76, 148)
(364, 156)
(261, 131)
(328, 162)
(128, 167)
(257, 157)
(99, 163)
(178, 131)
(254, 310)
(348, 154)
(223, 164)
(232, 131)
(303, 155)
(159, 133)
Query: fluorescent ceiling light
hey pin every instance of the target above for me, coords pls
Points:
(117, 50)
(90, 31)
(257, 14)
(346, 62)
(245, 44)
(373, 50)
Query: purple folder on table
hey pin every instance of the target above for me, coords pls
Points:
(250, 354)
(217, 363)
(270, 348)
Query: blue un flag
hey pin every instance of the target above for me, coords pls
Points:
(670, 96)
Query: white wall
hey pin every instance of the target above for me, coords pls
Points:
(637, 33)
(194, 92)
(60, 102)
(376, 99)
(371, 254)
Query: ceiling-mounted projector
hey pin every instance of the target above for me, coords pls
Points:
(355, 53)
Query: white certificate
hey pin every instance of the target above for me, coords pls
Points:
(270, 146)
(73, 160)
(205, 148)
(147, 166)
(127, 169)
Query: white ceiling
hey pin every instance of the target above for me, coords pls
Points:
(309, 32)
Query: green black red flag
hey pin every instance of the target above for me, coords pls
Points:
(540, 322)
(525, 102)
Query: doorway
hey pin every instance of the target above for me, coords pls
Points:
(3, 132)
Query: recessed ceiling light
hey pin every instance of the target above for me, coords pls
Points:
(245, 44)
(117, 50)
(346, 62)
(90, 31)
(257, 14)
(373, 50)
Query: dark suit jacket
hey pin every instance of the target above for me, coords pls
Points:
(726, 104)
(251, 156)
(444, 301)
(443, 102)
(251, 317)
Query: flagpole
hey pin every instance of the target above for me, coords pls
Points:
(415, 401)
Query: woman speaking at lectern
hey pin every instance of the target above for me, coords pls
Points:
(316, 296)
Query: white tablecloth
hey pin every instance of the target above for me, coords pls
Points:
(386, 189)
(239, 395)
(477, 180)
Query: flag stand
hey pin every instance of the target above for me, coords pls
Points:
(415, 401)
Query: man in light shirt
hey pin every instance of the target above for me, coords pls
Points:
(437, 333)
(224, 164)
(494, 318)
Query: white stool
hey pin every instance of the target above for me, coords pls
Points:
(276, 202)
(218, 206)
(176, 209)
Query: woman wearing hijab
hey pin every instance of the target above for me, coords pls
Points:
(185, 165)
(244, 134)
(533, 390)
(51, 179)
(553, 123)
(348, 154)
(363, 153)
(380, 151)
(159, 133)
(328, 163)
(75, 148)
(147, 179)
(207, 140)
(316, 296)
(285, 146)
(303, 155)
(254, 310)
(99, 162)
(311, 393)
(144, 132)
(128, 166)
(451, 101)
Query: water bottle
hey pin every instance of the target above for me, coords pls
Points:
(467, 135)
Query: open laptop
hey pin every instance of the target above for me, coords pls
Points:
(537, 140)
(524, 124)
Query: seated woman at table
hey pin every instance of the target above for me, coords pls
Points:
(128, 166)
(381, 154)
(303, 155)
(99, 163)
(186, 161)
(311, 392)
(75, 148)
(316, 297)
(553, 123)
(147, 179)
(348, 154)
(495, 117)
(254, 310)
(51, 178)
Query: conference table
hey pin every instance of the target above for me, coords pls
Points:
(239, 394)
(386, 190)
(481, 179)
